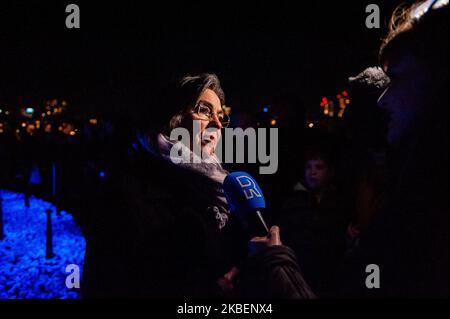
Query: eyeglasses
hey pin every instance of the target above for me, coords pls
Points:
(206, 113)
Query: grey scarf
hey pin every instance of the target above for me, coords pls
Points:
(209, 167)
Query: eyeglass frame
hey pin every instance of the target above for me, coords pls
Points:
(196, 110)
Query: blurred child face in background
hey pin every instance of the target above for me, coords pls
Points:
(317, 174)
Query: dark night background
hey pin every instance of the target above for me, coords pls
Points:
(69, 98)
(283, 53)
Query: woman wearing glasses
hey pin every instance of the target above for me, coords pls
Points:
(175, 236)
(196, 104)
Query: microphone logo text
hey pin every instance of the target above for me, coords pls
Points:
(249, 187)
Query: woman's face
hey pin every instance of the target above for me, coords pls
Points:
(406, 96)
(210, 130)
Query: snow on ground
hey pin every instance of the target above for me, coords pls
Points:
(24, 270)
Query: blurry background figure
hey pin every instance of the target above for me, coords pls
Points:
(318, 175)
(363, 162)
(408, 237)
(313, 220)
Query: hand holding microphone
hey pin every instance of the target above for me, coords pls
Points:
(272, 238)
(246, 202)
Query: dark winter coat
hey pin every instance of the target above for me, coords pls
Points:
(153, 235)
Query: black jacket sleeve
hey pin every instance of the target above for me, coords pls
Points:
(274, 273)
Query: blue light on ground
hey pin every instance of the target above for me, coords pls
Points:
(24, 271)
(266, 109)
(102, 174)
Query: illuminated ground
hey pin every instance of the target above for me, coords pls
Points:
(24, 271)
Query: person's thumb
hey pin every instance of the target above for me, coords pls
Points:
(274, 236)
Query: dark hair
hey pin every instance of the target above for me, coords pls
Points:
(418, 31)
(170, 104)
(186, 94)
(421, 30)
(316, 154)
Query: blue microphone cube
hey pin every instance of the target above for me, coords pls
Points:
(243, 193)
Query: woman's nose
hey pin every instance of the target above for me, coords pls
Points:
(215, 122)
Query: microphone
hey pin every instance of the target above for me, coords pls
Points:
(245, 198)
